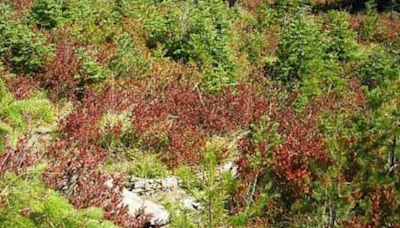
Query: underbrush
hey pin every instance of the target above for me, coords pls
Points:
(301, 96)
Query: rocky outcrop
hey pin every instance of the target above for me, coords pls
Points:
(147, 195)
(139, 205)
(143, 186)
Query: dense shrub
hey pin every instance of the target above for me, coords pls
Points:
(75, 161)
(71, 71)
(91, 22)
(17, 160)
(300, 51)
(27, 203)
(290, 177)
(47, 13)
(200, 34)
(59, 76)
(369, 26)
(128, 62)
(21, 6)
(22, 87)
(192, 115)
(389, 26)
(24, 50)
(379, 68)
(341, 40)
(307, 113)
(15, 115)
(367, 164)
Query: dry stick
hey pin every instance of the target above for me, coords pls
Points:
(209, 212)
(391, 163)
(200, 96)
(253, 190)
(331, 216)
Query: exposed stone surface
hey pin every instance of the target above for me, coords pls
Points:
(170, 183)
(189, 203)
(136, 205)
(229, 167)
(148, 195)
(143, 186)
(152, 186)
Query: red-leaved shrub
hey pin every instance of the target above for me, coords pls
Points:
(187, 117)
(17, 160)
(76, 158)
(21, 86)
(74, 171)
(59, 74)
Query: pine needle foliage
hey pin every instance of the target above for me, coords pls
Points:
(26, 202)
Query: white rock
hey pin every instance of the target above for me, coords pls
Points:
(139, 183)
(190, 203)
(229, 167)
(136, 204)
(170, 183)
(159, 213)
(132, 200)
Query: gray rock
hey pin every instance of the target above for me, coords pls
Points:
(229, 167)
(136, 205)
(139, 184)
(190, 203)
(170, 183)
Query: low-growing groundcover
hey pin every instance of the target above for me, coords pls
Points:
(301, 96)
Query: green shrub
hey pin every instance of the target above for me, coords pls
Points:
(300, 51)
(4, 128)
(27, 203)
(265, 132)
(90, 21)
(369, 26)
(303, 63)
(149, 166)
(90, 71)
(141, 164)
(128, 61)
(181, 220)
(212, 189)
(253, 46)
(341, 42)
(47, 13)
(253, 41)
(25, 50)
(373, 133)
(14, 114)
(200, 34)
(288, 8)
(266, 16)
(379, 67)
